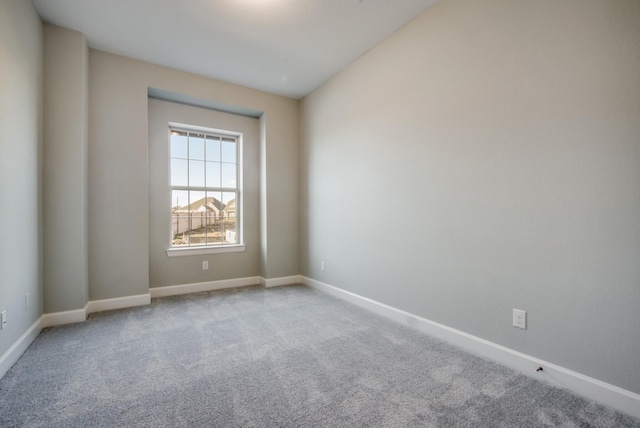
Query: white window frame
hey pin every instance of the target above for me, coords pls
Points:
(217, 248)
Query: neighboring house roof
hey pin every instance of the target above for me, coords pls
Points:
(231, 205)
(204, 204)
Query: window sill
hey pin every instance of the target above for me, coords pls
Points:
(197, 251)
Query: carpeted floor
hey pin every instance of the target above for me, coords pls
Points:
(281, 357)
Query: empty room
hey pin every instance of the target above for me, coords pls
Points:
(291, 213)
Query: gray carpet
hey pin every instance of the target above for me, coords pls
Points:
(282, 357)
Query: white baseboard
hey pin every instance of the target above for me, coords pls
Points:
(66, 317)
(12, 354)
(80, 315)
(277, 282)
(594, 389)
(118, 303)
(174, 290)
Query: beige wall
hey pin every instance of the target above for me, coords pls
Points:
(20, 180)
(163, 270)
(487, 157)
(118, 169)
(66, 79)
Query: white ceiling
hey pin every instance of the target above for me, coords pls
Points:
(286, 47)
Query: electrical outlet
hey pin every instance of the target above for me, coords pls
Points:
(205, 265)
(322, 265)
(520, 319)
(26, 300)
(3, 320)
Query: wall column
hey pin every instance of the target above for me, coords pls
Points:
(66, 78)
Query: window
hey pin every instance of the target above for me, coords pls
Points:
(205, 174)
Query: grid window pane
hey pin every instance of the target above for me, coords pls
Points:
(211, 230)
(197, 201)
(197, 234)
(213, 149)
(179, 224)
(196, 147)
(196, 173)
(179, 171)
(179, 218)
(229, 175)
(213, 174)
(228, 152)
(230, 236)
(180, 239)
(197, 212)
(179, 145)
(229, 218)
(228, 198)
(179, 199)
(214, 235)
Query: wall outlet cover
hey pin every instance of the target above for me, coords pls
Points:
(520, 319)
